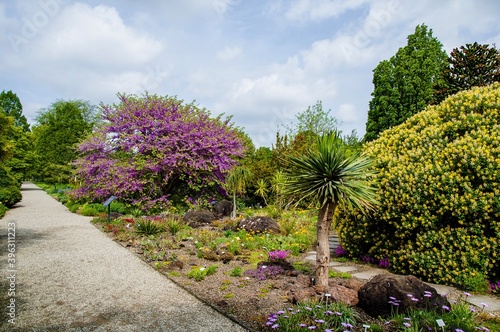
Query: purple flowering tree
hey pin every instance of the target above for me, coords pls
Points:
(151, 148)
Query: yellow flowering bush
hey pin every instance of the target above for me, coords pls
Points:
(439, 190)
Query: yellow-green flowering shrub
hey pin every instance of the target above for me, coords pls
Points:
(439, 190)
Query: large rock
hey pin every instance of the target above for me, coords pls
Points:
(384, 294)
(301, 295)
(353, 283)
(223, 209)
(343, 294)
(198, 218)
(259, 225)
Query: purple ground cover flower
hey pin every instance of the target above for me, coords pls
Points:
(278, 255)
(340, 252)
(265, 272)
(384, 263)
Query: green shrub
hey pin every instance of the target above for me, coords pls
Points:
(439, 190)
(98, 207)
(10, 192)
(10, 195)
(118, 207)
(476, 283)
(88, 211)
(73, 207)
(3, 209)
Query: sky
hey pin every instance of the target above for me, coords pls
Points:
(260, 61)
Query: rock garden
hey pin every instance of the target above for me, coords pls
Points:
(254, 269)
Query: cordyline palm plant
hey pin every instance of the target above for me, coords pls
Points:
(236, 183)
(330, 175)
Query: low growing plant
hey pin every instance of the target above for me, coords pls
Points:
(265, 272)
(495, 286)
(278, 255)
(236, 272)
(313, 316)
(174, 225)
(199, 273)
(174, 274)
(303, 267)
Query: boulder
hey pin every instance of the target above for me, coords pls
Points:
(301, 295)
(258, 224)
(385, 294)
(226, 257)
(223, 209)
(353, 283)
(198, 218)
(343, 294)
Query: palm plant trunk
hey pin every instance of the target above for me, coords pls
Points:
(325, 216)
(234, 205)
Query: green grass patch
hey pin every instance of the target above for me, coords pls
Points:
(336, 274)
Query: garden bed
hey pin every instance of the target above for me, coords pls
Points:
(199, 261)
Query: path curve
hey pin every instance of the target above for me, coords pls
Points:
(69, 276)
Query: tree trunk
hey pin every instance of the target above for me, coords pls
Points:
(234, 205)
(323, 246)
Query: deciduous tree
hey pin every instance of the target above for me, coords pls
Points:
(58, 131)
(11, 105)
(152, 148)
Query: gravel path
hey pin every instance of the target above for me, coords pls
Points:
(71, 277)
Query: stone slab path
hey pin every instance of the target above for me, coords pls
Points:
(69, 276)
(366, 272)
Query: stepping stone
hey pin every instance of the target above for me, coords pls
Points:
(367, 275)
(336, 263)
(311, 257)
(442, 289)
(493, 304)
(346, 268)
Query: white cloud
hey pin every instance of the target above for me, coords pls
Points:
(97, 37)
(347, 114)
(262, 63)
(229, 53)
(304, 10)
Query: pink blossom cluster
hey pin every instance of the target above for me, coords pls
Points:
(152, 147)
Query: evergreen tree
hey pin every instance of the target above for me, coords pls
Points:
(468, 66)
(404, 85)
